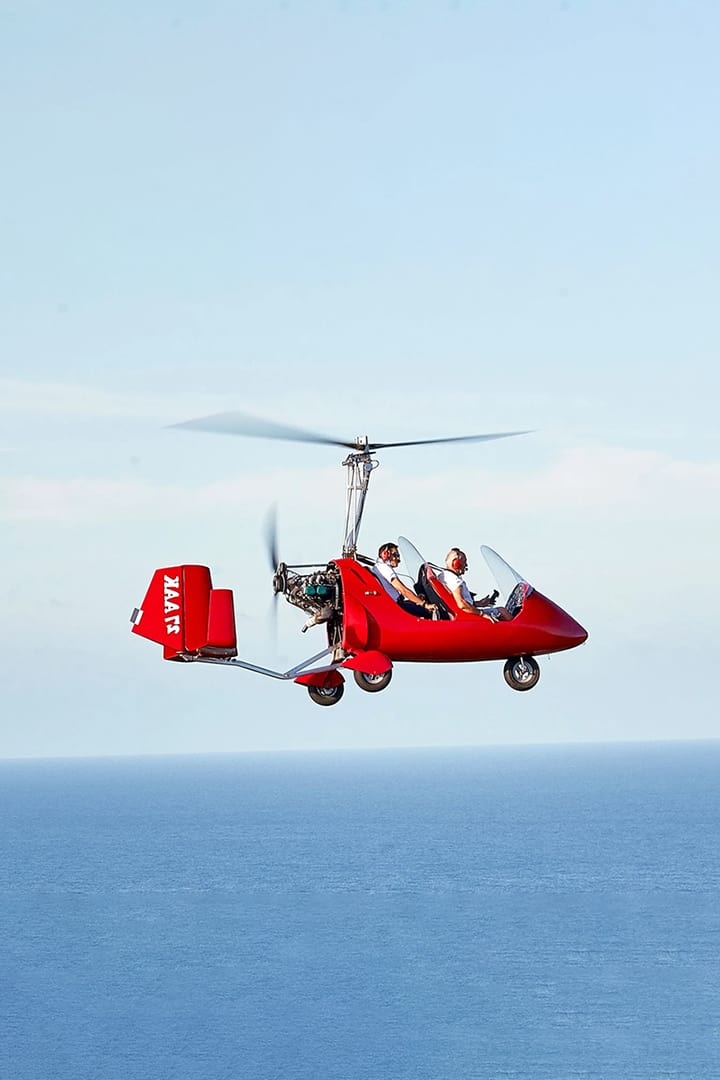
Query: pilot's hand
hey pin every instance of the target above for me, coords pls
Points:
(488, 601)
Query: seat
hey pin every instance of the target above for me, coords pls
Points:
(434, 592)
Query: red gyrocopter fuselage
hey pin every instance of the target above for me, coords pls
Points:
(367, 632)
(372, 621)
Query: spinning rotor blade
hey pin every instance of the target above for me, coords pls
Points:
(456, 438)
(237, 423)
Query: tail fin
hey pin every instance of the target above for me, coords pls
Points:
(183, 613)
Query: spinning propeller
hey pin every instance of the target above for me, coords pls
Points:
(277, 568)
(271, 544)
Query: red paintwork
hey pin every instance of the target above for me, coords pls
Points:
(192, 620)
(321, 678)
(221, 633)
(372, 621)
(370, 663)
(184, 614)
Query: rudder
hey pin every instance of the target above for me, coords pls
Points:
(183, 613)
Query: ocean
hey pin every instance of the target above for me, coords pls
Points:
(508, 913)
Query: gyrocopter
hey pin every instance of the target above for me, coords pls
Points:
(366, 631)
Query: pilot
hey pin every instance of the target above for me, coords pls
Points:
(456, 565)
(385, 569)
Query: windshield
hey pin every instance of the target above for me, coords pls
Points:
(504, 575)
(410, 559)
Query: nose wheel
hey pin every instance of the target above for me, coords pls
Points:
(521, 672)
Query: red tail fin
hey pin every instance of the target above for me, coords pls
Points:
(184, 614)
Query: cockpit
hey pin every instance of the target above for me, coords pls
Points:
(421, 575)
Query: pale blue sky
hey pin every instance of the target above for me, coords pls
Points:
(406, 220)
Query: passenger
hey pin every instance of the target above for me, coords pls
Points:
(386, 570)
(456, 565)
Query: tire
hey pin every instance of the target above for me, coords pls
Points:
(521, 672)
(326, 695)
(372, 684)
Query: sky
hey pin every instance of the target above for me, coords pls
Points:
(406, 220)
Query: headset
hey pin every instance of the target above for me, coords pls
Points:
(388, 552)
(459, 563)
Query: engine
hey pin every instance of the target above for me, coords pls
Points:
(318, 593)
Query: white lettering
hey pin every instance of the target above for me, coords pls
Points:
(171, 592)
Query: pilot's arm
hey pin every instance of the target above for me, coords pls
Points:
(407, 592)
(464, 605)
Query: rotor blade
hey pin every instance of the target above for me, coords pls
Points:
(238, 423)
(455, 439)
(271, 544)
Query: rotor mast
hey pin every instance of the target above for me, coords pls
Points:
(360, 465)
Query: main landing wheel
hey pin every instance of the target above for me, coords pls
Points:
(521, 672)
(326, 695)
(372, 684)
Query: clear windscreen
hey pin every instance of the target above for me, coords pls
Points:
(504, 575)
(410, 560)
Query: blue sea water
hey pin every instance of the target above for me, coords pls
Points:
(487, 913)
